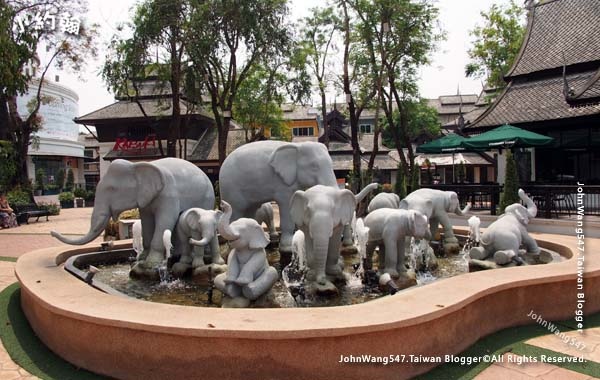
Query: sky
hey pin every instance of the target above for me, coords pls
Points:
(444, 76)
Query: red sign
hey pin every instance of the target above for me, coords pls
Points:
(124, 144)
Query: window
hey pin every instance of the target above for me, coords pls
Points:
(304, 131)
(366, 128)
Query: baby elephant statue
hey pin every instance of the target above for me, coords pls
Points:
(248, 273)
(195, 236)
(503, 238)
(384, 200)
(435, 205)
(321, 212)
(264, 214)
(388, 229)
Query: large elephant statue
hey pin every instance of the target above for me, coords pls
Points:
(265, 171)
(321, 212)
(196, 235)
(248, 273)
(388, 229)
(435, 205)
(503, 238)
(264, 214)
(384, 200)
(161, 189)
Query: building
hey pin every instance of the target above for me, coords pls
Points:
(302, 121)
(58, 146)
(561, 35)
(450, 107)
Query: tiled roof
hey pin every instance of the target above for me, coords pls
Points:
(207, 148)
(469, 117)
(445, 104)
(299, 112)
(589, 93)
(559, 31)
(126, 109)
(365, 142)
(535, 100)
(457, 99)
(382, 161)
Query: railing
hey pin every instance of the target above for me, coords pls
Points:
(552, 201)
(556, 200)
(482, 197)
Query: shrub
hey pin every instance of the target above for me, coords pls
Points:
(79, 192)
(400, 185)
(60, 178)
(66, 196)
(40, 174)
(70, 180)
(18, 197)
(90, 195)
(130, 214)
(52, 208)
(8, 164)
(52, 186)
(510, 194)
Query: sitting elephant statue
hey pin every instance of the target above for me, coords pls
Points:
(503, 238)
(248, 274)
(435, 205)
(322, 212)
(161, 189)
(264, 214)
(388, 229)
(195, 233)
(384, 200)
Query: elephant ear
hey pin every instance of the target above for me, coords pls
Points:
(452, 202)
(298, 207)
(258, 239)
(427, 208)
(284, 161)
(396, 199)
(522, 215)
(344, 208)
(150, 182)
(403, 205)
(192, 219)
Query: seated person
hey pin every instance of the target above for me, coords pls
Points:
(8, 219)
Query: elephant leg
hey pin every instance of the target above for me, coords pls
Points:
(147, 232)
(505, 256)
(433, 227)
(530, 244)
(287, 227)
(478, 253)
(400, 262)
(347, 236)
(448, 233)
(333, 267)
(369, 253)
(311, 275)
(381, 258)
(165, 219)
(231, 290)
(391, 258)
(261, 285)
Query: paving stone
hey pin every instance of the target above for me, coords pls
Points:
(530, 369)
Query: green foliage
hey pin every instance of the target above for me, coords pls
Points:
(8, 166)
(90, 195)
(66, 196)
(53, 208)
(400, 185)
(421, 119)
(510, 193)
(414, 178)
(70, 180)
(496, 43)
(79, 192)
(60, 178)
(40, 176)
(461, 171)
(18, 196)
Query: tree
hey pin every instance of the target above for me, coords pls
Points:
(422, 119)
(70, 183)
(25, 27)
(496, 43)
(231, 38)
(317, 35)
(510, 193)
(157, 47)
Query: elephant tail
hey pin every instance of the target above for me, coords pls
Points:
(167, 243)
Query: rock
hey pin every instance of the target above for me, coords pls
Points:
(451, 249)
(328, 289)
(479, 265)
(348, 250)
(140, 271)
(237, 302)
(277, 297)
(406, 279)
(200, 274)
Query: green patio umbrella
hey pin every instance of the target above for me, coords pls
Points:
(506, 136)
(446, 144)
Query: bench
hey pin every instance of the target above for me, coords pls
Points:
(24, 212)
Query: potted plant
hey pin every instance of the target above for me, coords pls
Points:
(51, 189)
(39, 181)
(66, 199)
(90, 196)
(79, 194)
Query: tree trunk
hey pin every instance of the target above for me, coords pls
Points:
(324, 116)
(4, 118)
(222, 143)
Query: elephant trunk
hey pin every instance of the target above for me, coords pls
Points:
(531, 207)
(463, 211)
(99, 222)
(370, 187)
(224, 227)
(320, 248)
(206, 238)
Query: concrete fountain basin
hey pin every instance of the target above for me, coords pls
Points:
(130, 339)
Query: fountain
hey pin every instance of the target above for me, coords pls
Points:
(103, 330)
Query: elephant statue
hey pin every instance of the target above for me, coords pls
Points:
(435, 205)
(321, 212)
(264, 214)
(195, 233)
(248, 274)
(384, 200)
(388, 229)
(265, 171)
(503, 238)
(161, 189)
